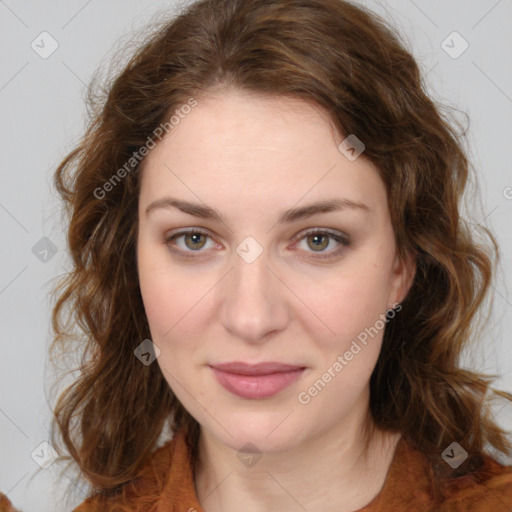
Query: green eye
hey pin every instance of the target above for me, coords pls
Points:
(318, 240)
(192, 240)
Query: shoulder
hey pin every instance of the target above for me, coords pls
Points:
(488, 488)
(5, 504)
(141, 494)
(417, 482)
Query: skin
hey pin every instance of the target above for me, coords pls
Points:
(251, 157)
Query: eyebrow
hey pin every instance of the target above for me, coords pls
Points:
(292, 215)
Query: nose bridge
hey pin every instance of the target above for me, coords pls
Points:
(251, 279)
(253, 303)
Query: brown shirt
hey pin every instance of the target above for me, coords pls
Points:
(166, 484)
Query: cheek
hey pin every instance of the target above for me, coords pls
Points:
(166, 310)
(168, 297)
(159, 299)
(344, 303)
(348, 342)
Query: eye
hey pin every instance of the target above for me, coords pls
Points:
(194, 239)
(319, 239)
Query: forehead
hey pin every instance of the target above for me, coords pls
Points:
(248, 145)
(237, 119)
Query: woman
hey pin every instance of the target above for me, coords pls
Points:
(270, 262)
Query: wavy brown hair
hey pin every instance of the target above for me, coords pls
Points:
(350, 63)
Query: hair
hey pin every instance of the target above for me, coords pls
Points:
(347, 61)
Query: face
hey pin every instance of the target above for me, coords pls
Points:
(236, 266)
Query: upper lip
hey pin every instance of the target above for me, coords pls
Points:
(255, 369)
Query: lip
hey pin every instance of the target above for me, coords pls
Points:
(256, 381)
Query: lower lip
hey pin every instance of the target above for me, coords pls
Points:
(257, 386)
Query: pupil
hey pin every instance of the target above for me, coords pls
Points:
(195, 239)
(317, 238)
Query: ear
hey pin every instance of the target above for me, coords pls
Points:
(404, 271)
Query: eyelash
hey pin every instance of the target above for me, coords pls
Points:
(344, 241)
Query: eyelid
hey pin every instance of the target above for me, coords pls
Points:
(341, 238)
(168, 238)
(338, 236)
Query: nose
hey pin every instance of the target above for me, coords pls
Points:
(255, 300)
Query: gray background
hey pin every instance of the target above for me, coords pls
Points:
(42, 115)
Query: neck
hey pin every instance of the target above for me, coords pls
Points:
(332, 471)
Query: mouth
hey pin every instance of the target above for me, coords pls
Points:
(256, 381)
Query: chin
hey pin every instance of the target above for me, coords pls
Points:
(267, 431)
